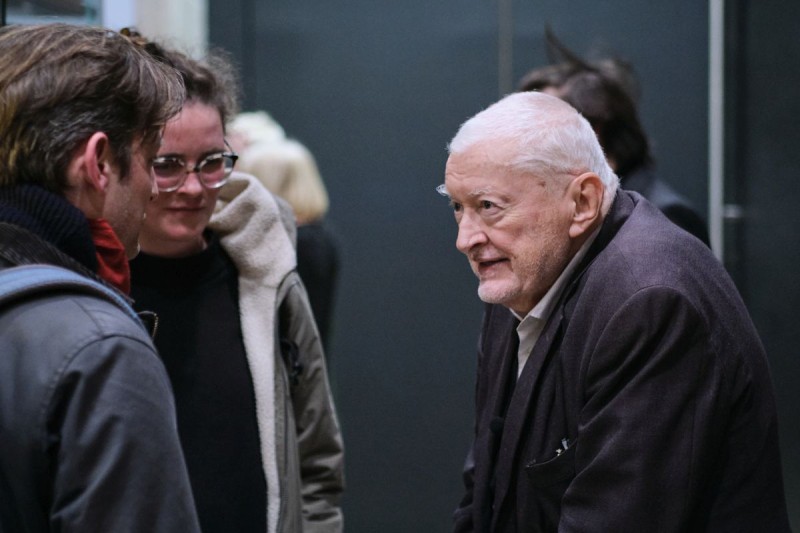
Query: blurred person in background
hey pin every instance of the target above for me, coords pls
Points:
(289, 170)
(606, 94)
(255, 413)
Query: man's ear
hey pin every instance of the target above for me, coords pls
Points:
(586, 192)
(89, 174)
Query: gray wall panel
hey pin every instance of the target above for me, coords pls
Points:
(769, 140)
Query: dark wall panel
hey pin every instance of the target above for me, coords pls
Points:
(376, 90)
(770, 137)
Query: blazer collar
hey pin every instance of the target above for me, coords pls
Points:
(621, 209)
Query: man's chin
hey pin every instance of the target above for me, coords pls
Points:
(490, 293)
(133, 251)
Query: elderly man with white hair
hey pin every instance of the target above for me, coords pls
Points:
(621, 384)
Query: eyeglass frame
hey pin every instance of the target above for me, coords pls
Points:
(196, 169)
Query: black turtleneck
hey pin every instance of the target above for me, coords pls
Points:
(200, 341)
(50, 217)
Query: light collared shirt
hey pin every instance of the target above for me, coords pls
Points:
(530, 327)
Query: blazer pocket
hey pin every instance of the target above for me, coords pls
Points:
(557, 469)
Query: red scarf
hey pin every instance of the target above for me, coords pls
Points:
(112, 261)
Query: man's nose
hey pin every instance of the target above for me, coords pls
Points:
(470, 233)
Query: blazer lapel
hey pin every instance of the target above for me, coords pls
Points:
(500, 371)
(517, 413)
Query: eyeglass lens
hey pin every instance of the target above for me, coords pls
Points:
(212, 171)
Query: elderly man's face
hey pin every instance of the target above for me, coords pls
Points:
(511, 226)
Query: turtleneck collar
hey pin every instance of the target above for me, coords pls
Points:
(51, 217)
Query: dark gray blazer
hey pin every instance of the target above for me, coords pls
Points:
(652, 373)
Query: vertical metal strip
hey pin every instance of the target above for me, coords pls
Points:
(505, 46)
(716, 125)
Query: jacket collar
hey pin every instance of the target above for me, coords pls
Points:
(621, 209)
(249, 223)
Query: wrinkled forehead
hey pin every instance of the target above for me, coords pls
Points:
(483, 168)
(485, 154)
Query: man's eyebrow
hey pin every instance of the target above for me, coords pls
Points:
(442, 189)
(479, 192)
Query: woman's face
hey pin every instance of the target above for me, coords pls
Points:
(175, 221)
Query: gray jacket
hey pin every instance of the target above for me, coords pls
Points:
(88, 436)
(301, 444)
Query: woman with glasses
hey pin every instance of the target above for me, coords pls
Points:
(235, 330)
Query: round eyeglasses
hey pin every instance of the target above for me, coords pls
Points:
(212, 172)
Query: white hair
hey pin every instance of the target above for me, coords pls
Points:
(255, 126)
(288, 170)
(552, 139)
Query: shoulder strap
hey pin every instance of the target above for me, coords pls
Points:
(29, 280)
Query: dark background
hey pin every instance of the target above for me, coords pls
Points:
(377, 89)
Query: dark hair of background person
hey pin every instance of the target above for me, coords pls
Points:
(213, 81)
(605, 93)
(63, 88)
